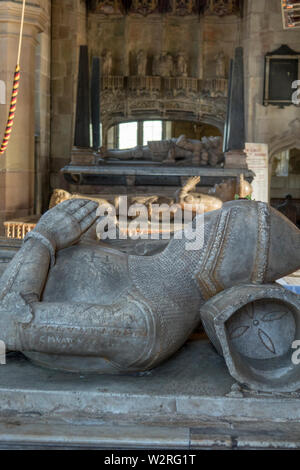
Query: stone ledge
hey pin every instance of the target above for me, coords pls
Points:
(190, 402)
(92, 437)
(192, 386)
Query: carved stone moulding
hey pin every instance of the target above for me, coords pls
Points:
(254, 328)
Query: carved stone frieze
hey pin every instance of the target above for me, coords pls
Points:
(186, 98)
(172, 7)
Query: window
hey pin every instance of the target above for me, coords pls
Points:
(152, 130)
(286, 163)
(128, 135)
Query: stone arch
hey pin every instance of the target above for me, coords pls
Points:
(287, 140)
(2, 92)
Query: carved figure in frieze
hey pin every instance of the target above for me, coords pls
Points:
(141, 60)
(156, 65)
(181, 65)
(166, 65)
(220, 65)
(107, 63)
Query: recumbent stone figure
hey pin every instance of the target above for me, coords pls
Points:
(69, 303)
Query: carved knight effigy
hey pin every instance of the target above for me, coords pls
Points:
(206, 151)
(69, 303)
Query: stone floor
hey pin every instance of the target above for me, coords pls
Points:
(190, 402)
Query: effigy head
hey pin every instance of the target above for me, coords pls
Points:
(200, 203)
(227, 190)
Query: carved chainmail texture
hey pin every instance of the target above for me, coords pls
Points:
(173, 290)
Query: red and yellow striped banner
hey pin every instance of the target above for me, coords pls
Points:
(12, 110)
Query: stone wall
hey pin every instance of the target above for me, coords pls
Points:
(42, 112)
(124, 36)
(200, 39)
(263, 32)
(68, 33)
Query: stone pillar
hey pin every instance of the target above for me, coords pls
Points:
(17, 164)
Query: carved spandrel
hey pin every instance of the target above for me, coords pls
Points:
(223, 7)
(144, 7)
(183, 7)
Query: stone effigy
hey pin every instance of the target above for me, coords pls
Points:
(70, 304)
(185, 197)
(228, 190)
(206, 151)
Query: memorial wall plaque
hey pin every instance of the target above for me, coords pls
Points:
(281, 71)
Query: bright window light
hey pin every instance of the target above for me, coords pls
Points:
(128, 135)
(152, 130)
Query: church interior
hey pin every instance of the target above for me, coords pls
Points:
(160, 102)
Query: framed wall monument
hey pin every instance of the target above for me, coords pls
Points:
(282, 69)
